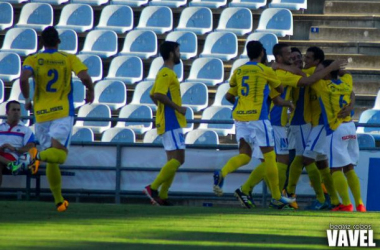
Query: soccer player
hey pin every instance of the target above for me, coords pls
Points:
(53, 107)
(250, 84)
(170, 119)
(15, 138)
(335, 93)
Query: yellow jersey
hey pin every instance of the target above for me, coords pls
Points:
(333, 95)
(167, 119)
(251, 84)
(315, 107)
(53, 90)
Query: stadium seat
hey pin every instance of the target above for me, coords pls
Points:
(69, 41)
(289, 4)
(94, 111)
(157, 64)
(94, 65)
(196, 19)
(79, 93)
(207, 70)
(141, 95)
(16, 1)
(2, 89)
(128, 69)
(222, 45)
(370, 116)
(36, 16)
(24, 112)
(6, 16)
(136, 112)
(189, 116)
(237, 63)
(277, 21)
(131, 3)
(16, 91)
(22, 41)
(118, 18)
(79, 17)
(202, 137)
(213, 4)
(10, 66)
(366, 141)
(377, 101)
(156, 18)
(82, 135)
(140, 43)
(220, 99)
(91, 2)
(151, 136)
(251, 4)
(112, 93)
(188, 43)
(101, 42)
(123, 135)
(168, 3)
(267, 39)
(237, 20)
(52, 2)
(218, 113)
(194, 95)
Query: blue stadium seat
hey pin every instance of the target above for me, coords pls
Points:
(370, 116)
(94, 111)
(95, 66)
(218, 113)
(82, 135)
(151, 136)
(156, 18)
(101, 42)
(131, 3)
(202, 137)
(128, 69)
(118, 18)
(366, 141)
(277, 21)
(157, 64)
(168, 3)
(237, 63)
(267, 39)
(194, 95)
(289, 4)
(52, 2)
(123, 135)
(22, 41)
(141, 95)
(207, 70)
(79, 17)
(6, 16)
(220, 99)
(251, 4)
(196, 19)
(136, 112)
(222, 45)
(79, 93)
(188, 41)
(16, 91)
(69, 41)
(91, 2)
(1, 91)
(140, 43)
(213, 4)
(16, 1)
(237, 20)
(112, 93)
(36, 16)
(10, 66)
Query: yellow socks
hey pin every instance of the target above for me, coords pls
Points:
(271, 173)
(341, 185)
(164, 190)
(281, 174)
(354, 183)
(295, 172)
(254, 178)
(315, 178)
(328, 181)
(53, 155)
(53, 174)
(235, 163)
(167, 172)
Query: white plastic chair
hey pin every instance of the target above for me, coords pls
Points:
(10, 66)
(237, 63)
(251, 4)
(16, 1)
(95, 66)
(1, 91)
(123, 135)
(94, 111)
(366, 141)
(52, 2)
(91, 2)
(112, 93)
(69, 41)
(6, 16)
(156, 18)
(370, 116)
(79, 17)
(202, 137)
(101, 42)
(268, 40)
(189, 116)
(79, 93)
(218, 113)
(24, 112)
(188, 43)
(289, 4)
(136, 112)
(196, 19)
(131, 3)
(157, 64)
(207, 70)
(82, 135)
(213, 4)
(141, 95)
(118, 18)
(151, 136)
(22, 41)
(128, 69)
(237, 20)
(194, 95)
(222, 45)
(377, 101)
(220, 99)
(36, 16)
(140, 43)
(16, 91)
(277, 21)
(168, 3)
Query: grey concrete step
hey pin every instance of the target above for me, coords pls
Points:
(366, 89)
(342, 33)
(357, 61)
(353, 7)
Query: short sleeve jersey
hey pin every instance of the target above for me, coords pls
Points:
(17, 136)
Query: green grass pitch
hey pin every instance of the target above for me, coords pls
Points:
(37, 226)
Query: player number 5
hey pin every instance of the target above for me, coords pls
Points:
(245, 86)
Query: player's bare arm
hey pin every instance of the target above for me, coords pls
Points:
(167, 102)
(280, 89)
(290, 68)
(87, 81)
(278, 101)
(153, 99)
(346, 110)
(230, 98)
(24, 85)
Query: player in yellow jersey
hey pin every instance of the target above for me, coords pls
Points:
(342, 146)
(53, 106)
(170, 119)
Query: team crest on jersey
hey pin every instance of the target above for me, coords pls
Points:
(40, 61)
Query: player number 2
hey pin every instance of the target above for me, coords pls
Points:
(54, 73)
(245, 89)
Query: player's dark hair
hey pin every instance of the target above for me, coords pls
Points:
(50, 37)
(8, 105)
(167, 47)
(294, 49)
(318, 53)
(277, 49)
(334, 74)
(264, 60)
(254, 49)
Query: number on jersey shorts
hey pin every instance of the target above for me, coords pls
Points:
(59, 129)
(281, 143)
(173, 140)
(316, 144)
(343, 147)
(255, 133)
(300, 134)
